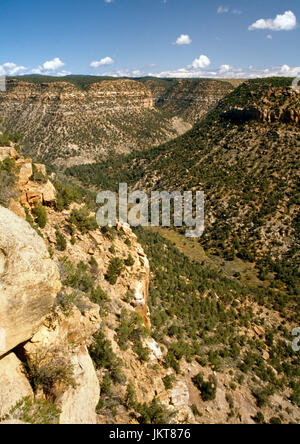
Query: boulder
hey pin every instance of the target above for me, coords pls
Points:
(14, 384)
(49, 193)
(78, 405)
(29, 280)
(8, 151)
(25, 171)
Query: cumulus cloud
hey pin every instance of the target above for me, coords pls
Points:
(282, 22)
(11, 69)
(224, 69)
(184, 39)
(103, 62)
(202, 62)
(53, 65)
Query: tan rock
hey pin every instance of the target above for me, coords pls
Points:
(25, 171)
(67, 334)
(29, 280)
(78, 405)
(60, 330)
(258, 330)
(17, 208)
(41, 168)
(8, 151)
(265, 355)
(13, 383)
(48, 193)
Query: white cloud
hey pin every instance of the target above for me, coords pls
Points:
(224, 69)
(222, 10)
(103, 62)
(202, 62)
(53, 65)
(225, 72)
(282, 22)
(184, 39)
(11, 69)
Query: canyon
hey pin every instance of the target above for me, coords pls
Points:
(65, 124)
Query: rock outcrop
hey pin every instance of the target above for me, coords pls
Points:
(273, 105)
(13, 383)
(68, 125)
(48, 339)
(29, 280)
(123, 93)
(67, 336)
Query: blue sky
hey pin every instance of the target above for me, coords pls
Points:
(180, 38)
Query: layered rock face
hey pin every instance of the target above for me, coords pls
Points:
(265, 109)
(43, 335)
(189, 99)
(29, 280)
(30, 191)
(107, 94)
(65, 124)
(69, 126)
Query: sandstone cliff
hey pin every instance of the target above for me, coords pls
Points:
(42, 337)
(68, 125)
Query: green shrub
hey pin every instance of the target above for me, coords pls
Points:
(48, 368)
(130, 400)
(7, 182)
(35, 412)
(142, 352)
(81, 219)
(153, 413)
(259, 418)
(129, 262)
(275, 420)
(61, 243)
(131, 328)
(40, 215)
(169, 381)
(207, 389)
(115, 268)
(102, 353)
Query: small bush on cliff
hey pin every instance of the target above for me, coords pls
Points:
(7, 137)
(142, 352)
(103, 356)
(48, 368)
(153, 413)
(68, 192)
(81, 219)
(131, 328)
(129, 262)
(7, 182)
(35, 412)
(77, 277)
(207, 389)
(61, 243)
(115, 268)
(169, 381)
(40, 215)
